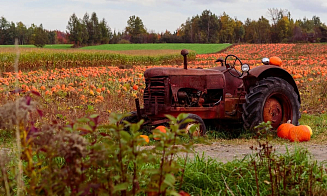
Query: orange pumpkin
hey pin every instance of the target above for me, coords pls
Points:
(299, 134)
(162, 129)
(284, 129)
(275, 61)
(146, 138)
(309, 129)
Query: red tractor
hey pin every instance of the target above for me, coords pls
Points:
(220, 94)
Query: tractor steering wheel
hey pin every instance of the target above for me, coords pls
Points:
(232, 67)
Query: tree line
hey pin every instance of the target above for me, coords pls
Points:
(33, 35)
(204, 28)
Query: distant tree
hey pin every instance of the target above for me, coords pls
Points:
(52, 37)
(31, 34)
(4, 26)
(298, 35)
(227, 27)
(283, 27)
(96, 34)
(323, 31)
(104, 32)
(239, 31)
(10, 34)
(264, 30)
(77, 31)
(276, 14)
(250, 28)
(88, 31)
(61, 37)
(152, 37)
(21, 33)
(208, 25)
(115, 38)
(135, 28)
(186, 31)
(41, 37)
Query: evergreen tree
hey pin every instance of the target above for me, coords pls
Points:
(135, 28)
(41, 37)
(75, 30)
(105, 32)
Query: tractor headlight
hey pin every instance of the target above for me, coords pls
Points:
(245, 68)
(265, 61)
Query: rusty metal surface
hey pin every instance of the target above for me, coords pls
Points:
(277, 109)
(273, 112)
(209, 93)
(170, 71)
(204, 112)
(258, 70)
(185, 53)
(265, 71)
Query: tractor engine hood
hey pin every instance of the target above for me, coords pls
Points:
(165, 71)
(200, 79)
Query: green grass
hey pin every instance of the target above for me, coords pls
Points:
(318, 124)
(198, 48)
(52, 46)
(295, 169)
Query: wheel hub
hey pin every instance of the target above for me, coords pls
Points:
(197, 131)
(272, 111)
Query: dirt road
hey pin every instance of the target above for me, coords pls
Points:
(227, 152)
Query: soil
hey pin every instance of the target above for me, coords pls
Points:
(223, 152)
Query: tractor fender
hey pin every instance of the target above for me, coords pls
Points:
(264, 71)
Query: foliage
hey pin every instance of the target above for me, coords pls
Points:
(41, 37)
(135, 28)
(82, 159)
(77, 159)
(262, 173)
(88, 31)
(205, 28)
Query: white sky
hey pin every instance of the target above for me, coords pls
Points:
(157, 15)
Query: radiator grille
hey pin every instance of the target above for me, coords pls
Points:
(154, 94)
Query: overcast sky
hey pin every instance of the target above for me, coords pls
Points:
(157, 15)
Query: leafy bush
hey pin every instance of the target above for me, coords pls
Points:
(79, 159)
(83, 158)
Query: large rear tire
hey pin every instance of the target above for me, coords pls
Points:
(272, 99)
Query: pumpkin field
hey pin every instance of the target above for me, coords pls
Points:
(97, 86)
(84, 85)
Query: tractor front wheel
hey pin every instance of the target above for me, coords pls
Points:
(132, 118)
(272, 99)
(197, 120)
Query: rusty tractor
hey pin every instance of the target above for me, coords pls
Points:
(220, 94)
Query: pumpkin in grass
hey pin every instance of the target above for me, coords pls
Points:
(299, 133)
(309, 129)
(162, 129)
(284, 129)
(146, 138)
(275, 61)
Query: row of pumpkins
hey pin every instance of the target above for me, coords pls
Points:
(294, 133)
(287, 130)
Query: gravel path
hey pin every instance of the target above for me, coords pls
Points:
(229, 152)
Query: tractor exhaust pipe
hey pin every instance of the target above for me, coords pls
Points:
(185, 53)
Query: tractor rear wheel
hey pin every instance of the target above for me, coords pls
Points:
(272, 99)
(200, 131)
